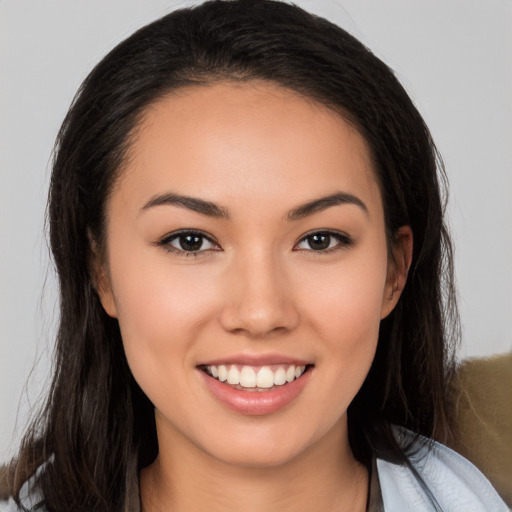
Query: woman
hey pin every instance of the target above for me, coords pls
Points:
(247, 225)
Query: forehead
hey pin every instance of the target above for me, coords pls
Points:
(251, 139)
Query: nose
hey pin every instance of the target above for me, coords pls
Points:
(259, 298)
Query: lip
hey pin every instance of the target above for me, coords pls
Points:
(255, 403)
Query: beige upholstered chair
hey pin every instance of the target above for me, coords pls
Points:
(480, 397)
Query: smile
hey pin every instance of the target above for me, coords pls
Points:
(253, 378)
(256, 387)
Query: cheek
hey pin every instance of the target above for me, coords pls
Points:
(345, 303)
(344, 310)
(160, 308)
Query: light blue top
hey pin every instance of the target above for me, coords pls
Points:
(456, 484)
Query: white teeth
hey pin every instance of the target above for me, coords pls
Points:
(223, 372)
(279, 377)
(265, 378)
(249, 377)
(233, 375)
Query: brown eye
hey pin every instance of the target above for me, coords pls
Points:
(324, 241)
(188, 242)
(319, 241)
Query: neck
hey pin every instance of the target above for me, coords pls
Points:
(325, 477)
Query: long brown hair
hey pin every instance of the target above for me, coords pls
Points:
(97, 428)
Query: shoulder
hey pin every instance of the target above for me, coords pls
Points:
(449, 478)
(28, 506)
(30, 497)
(9, 506)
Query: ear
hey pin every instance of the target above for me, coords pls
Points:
(100, 278)
(398, 268)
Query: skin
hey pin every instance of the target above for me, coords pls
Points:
(258, 151)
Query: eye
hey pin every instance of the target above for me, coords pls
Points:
(324, 241)
(189, 242)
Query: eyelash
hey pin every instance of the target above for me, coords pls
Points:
(344, 242)
(165, 243)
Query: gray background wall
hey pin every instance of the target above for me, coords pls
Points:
(454, 58)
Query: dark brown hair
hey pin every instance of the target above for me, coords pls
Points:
(97, 428)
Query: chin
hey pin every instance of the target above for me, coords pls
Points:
(267, 446)
(258, 457)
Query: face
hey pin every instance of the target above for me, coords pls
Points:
(247, 264)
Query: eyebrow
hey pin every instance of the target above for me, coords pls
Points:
(323, 203)
(212, 210)
(190, 203)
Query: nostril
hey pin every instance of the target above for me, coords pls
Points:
(258, 322)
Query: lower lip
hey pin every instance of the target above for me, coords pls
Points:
(256, 403)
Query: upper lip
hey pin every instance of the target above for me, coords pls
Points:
(256, 360)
